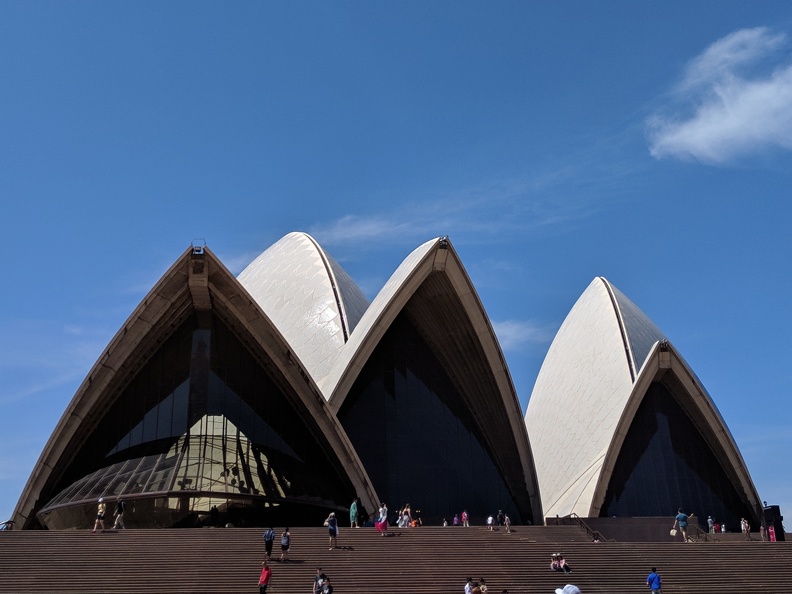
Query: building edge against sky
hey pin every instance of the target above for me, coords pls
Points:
(202, 406)
(235, 395)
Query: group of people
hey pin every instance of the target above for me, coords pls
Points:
(118, 514)
(501, 519)
(269, 541)
(479, 587)
(405, 518)
(681, 521)
(321, 583)
(558, 563)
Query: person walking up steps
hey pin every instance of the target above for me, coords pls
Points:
(654, 581)
(119, 515)
(681, 521)
(332, 528)
(285, 544)
(100, 515)
(269, 540)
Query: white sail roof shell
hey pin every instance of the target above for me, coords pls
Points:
(309, 298)
(582, 389)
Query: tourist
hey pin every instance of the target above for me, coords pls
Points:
(745, 528)
(562, 564)
(100, 515)
(285, 545)
(710, 525)
(469, 586)
(119, 515)
(554, 566)
(681, 521)
(353, 514)
(465, 518)
(407, 515)
(456, 520)
(327, 588)
(482, 586)
(382, 521)
(654, 581)
(269, 540)
(318, 581)
(507, 523)
(490, 521)
(266, 576)
(332, 529)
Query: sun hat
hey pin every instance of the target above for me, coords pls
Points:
(568, 589)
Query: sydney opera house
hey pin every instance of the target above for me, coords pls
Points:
(276, 396)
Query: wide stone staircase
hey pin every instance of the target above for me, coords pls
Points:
(416, 561)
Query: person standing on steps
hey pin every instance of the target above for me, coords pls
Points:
(285, 544)
(269, 540)
(100, 515)
(469, 586)
(382, 521)
(265, 577)
(353, 514)
(654, 581)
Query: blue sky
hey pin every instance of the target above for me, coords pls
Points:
(646, 142)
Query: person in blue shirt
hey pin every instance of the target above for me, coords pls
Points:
(269, 539)
(654, 581)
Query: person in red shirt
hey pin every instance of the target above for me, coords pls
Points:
(266, 576)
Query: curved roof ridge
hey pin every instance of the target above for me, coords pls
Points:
(638, 330)
(372, 323)
(303, 290)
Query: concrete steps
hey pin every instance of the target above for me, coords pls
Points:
(420, 561)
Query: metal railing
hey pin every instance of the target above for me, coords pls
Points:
(594, 535)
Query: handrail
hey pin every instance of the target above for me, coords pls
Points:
(699, 533)
(592, 534)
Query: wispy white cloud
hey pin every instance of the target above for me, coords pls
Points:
(489, 210)
(358, 229)
(512, 334)
(734, 100)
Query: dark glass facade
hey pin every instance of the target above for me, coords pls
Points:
(417, 439)
(666, 463)
(203, 424)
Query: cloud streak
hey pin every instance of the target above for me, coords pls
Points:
(734, 100)
(512, 334)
